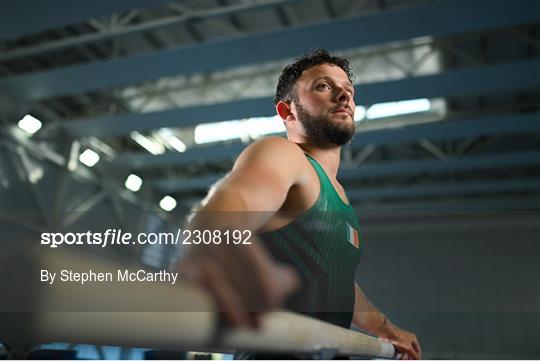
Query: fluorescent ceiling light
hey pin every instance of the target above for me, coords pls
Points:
(257, 127)
(383, 110)
(102, 147)
(215, 132)
(35, 174)
(148, 144)
(29, 124)
(89, 158)
(177, 144)
(73, 153)
(359, 113)
(167, 203)
(235, 129)
(172, 140)
(133, 182)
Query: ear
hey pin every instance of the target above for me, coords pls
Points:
(283, 108)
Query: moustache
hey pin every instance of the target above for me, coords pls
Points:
(346, 107)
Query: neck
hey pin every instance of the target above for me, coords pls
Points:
(327, 156)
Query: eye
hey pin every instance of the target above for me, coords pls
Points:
(323, 86)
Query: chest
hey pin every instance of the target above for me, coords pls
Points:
(303, 195)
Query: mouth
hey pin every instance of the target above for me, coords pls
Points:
(343, 110)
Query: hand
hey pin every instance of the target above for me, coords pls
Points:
(406, 344)
(243, 279)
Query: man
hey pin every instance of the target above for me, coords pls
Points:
(286, 190)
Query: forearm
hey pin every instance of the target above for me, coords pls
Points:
(369, 318)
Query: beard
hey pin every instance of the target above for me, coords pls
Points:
(322, 130)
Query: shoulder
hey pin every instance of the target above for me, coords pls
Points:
(276, 151)
(275, 144)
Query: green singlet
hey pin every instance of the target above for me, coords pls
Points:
(324, 246)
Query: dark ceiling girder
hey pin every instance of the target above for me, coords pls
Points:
(435, 206)
(124, 124)
(498, 125)
(441, 18)
(141, 160)
(456, 129)
(396, 168)
(478, 80)
(446, 189)
(148, 27)
(23, 17)
(408, 168)
(184, 185)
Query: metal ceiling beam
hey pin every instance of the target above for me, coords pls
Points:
(23, 17)
(497, 204)
(446, 189)
(401, 168)
(142, 160)
(501, 77)
(149, 25)
(468, 81)
(456, 129)
(184, 185)
(125, 124)
(395, 169)
(441, 18)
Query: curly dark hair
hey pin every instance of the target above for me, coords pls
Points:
(291, 73)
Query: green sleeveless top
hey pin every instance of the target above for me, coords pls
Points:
(324, 246)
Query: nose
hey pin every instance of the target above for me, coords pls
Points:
(343, 96)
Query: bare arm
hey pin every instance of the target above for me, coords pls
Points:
(369, 318)
(244, 279)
